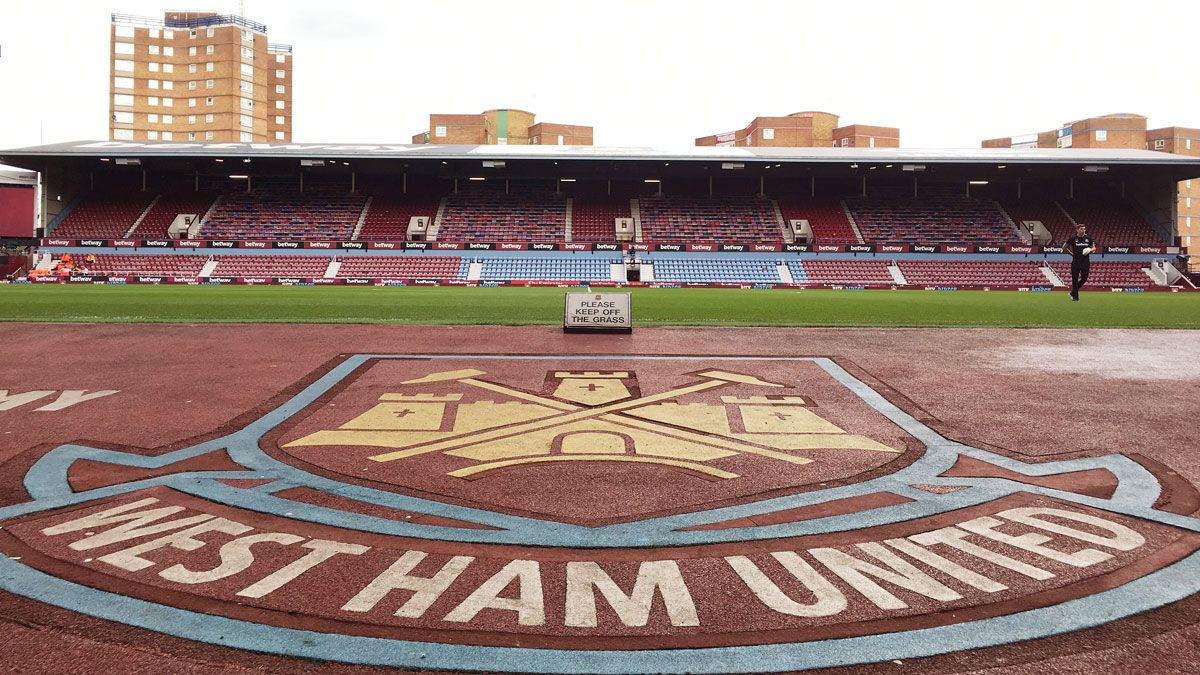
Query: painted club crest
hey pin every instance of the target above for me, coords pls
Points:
(598, 514)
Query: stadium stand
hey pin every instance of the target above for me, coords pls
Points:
(547, 269)
(489, 214)
(403, 267)
(103, 217)
(277, 210)
(388, 216)
(592, 218)
(1111, 223)
(134, 264)
(826, 216)
(742, 220)
(972, 272)
(308, 266)
(931, 220)
(716, 270)
(1106, 274)
(158, 220)
(841, 271)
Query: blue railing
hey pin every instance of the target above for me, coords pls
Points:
(224, 19)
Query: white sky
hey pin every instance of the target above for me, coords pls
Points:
(651, 72)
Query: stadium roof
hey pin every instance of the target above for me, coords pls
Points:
(584, 152)
(17, 177)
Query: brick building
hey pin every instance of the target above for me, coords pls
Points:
(501, 127)
(198, 76)
(811, 129)
(1127, 131)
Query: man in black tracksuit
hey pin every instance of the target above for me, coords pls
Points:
(1080, 247)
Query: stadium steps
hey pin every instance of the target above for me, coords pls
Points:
(475, 270)
(853, 222)
(331, 272)
(432, 234)
(208, 214)
(784, 230)
(785, 274)
(1067, 214)
(567, 219)
(149, 207)
(208, 269)
(362, 219)
(617, 273)
(1048, 272)
(897, 275)
(635, 212)
(1021, 232)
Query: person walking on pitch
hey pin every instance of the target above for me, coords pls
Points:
(1080, 247)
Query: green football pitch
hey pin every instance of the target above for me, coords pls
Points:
(651, 307)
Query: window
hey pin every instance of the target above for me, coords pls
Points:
(1188, 144)
(153, 32)
(168, 35)
(208, 49)
(154, 67)
(1189, 202)
(123, 83)
(123, 134)
(152, 118)
(768, 134)
(167, 136)
(168, 102)
(280, 58)
(191, 67)
(870, 141)
(247, 53)
(168, 119)
(168, 68)
(1189, 184)
(279, 135)
(439, 132)
(208, 101)
(191, 51)
(211, 32)
(123, 66)
(153, 84)
(247, 70)
(208, 135)
(153, 49)
(1101, 134)
(845, 142)
(123, 48)
(125, 31)
(168, 51)
(246, 87)
(151, 100)
(191, 135)
(1160, 144)
(191, 35)
(208, 67)
(191, 103)
(247, 36)
(152, 135)
(168, 84)
(208, 84)
(192, 85)
(560, 140)
(279, 89)
(279, 119)
(281, 74)
(279, 105)
(247, 121)
(191, 119)
(123, 117)
(247, 137)
(247, 104)
(208, 118)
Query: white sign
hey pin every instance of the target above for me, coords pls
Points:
(602, 311)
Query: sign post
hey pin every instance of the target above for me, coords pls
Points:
(598, 313)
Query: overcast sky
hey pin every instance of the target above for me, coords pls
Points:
(649, 72)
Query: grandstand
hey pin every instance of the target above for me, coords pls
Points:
(721, 221)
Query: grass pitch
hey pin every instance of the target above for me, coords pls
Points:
(651, 307)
